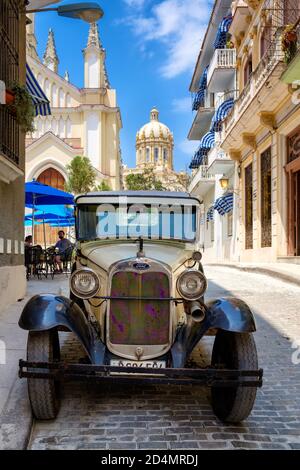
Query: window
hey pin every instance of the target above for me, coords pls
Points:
(266, 198)
(248, 69)
(156, 152)
(229, 224)
(165, 155)
(291, 11)
(147, 154)
(265, 40)
(249, 207)
(212, 231)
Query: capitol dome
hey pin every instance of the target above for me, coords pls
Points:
(154, 128)
(154, 143)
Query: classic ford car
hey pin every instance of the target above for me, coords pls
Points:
(137, 307)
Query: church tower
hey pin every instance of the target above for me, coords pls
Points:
(50, 58)
(95, 75)
(31, 41)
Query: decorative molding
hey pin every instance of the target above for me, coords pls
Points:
(267, 120)
(249, 140)
(235, 155)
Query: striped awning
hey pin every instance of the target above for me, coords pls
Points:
(198, 159)
(220, 115)
(221, 39)
(208, 140)
(224, 204)
(199, 100)
(40, 100)
(210, 214)
(200, 96)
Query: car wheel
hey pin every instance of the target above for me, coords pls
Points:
(234, 351)
(44, 394)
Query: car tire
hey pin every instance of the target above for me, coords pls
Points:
(44, 394)
(234, 351)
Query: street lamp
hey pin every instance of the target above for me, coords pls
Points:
(224, 182)
(87, 11)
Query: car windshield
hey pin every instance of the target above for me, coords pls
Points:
(112, 221)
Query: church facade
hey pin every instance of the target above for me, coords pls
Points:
(84, 121)
(154, 151)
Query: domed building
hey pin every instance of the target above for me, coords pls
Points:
(154, 144)
(154, 150)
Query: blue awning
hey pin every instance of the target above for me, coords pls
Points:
(200, 96)
(40, 100)
(199, 100)
(208, 140)
(224, 204)
(210, 214)
(220, 115)
(198, 158)
(221, 39)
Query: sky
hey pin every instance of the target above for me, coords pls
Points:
(151, 51)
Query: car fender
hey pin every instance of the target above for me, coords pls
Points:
(44, 312)
(230, 314)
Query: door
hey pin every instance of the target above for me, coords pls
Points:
(249, 207)
(293, 178)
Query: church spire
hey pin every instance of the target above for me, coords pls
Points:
(94, 39)
(50, 57)
(95, 51)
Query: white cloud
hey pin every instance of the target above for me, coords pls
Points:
(178, 25)
(188, 147)
(182, 105)
(135, 3)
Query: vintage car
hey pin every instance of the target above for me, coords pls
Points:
(137, 307)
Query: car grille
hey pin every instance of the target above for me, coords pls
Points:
(139, 322)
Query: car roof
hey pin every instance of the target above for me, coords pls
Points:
(146, 194)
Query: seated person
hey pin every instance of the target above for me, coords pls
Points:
(28, 241)
(62, 247)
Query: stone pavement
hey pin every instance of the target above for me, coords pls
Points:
(15, 413)
(160, 417)
(288, 272)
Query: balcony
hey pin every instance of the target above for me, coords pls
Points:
(202, 118)
(9, 146)
(202, 181)
(219, 163)
(240, 17)
(220, 75)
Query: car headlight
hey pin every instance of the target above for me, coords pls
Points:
(84, 283)
(191, 284)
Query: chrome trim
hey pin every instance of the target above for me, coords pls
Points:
(87, 296)
(128, 351)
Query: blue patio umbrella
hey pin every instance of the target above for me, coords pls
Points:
(37, 194)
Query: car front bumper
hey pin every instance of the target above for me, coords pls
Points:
(208, 377)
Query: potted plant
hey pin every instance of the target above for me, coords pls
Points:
(9, 97)
(289, 43)
(20, 103)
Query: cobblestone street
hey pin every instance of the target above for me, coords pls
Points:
(157, 417)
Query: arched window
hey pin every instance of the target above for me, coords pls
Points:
(165, 155)
(61, 98)
(54, 126)
(68, 100)
(47, 88)
(147, 154)
(248, 69)
(156, 153)
(61, 128)
(69, 128)
(54, 95)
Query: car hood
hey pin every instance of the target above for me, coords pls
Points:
(106, 254)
